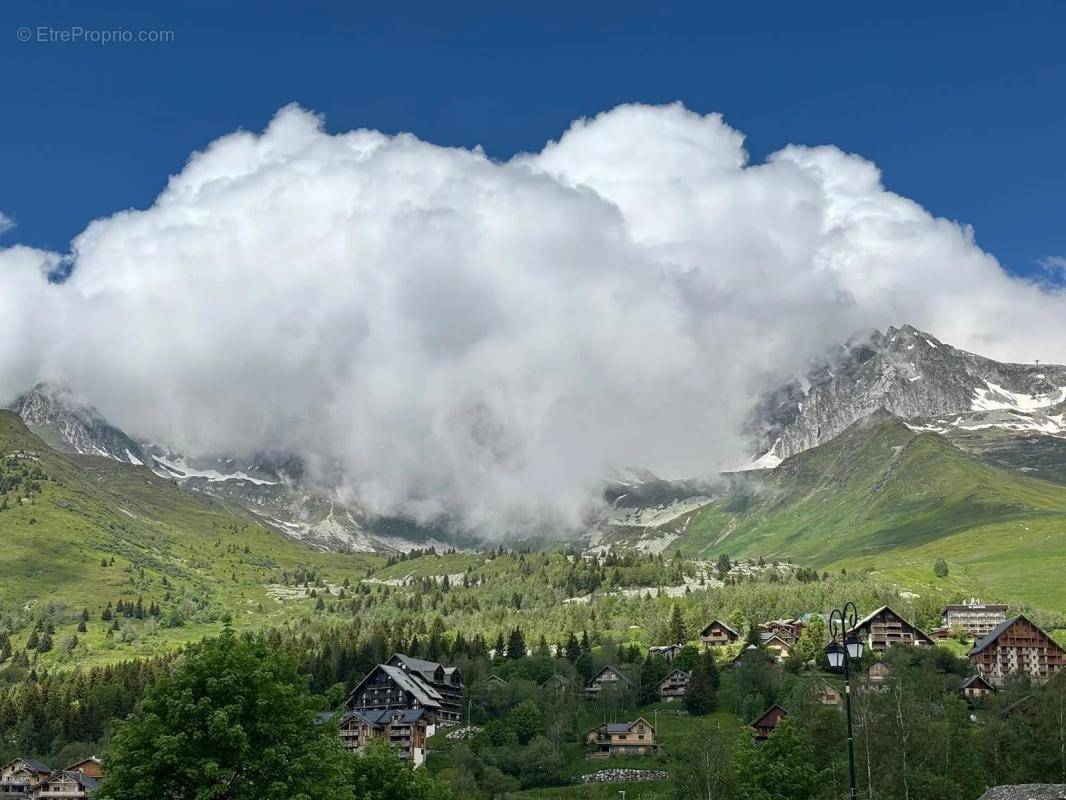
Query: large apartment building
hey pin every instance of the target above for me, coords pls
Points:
(1016, 645)
(976, 618)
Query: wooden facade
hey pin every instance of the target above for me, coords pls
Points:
(788, 630)
(447, 681)
(884, 628)
(636, 738)
(776, 647)
(752, 655)
(1016, 645)
(606, 677)
(976, 687)
(718, 634)
(674, 685)
(829, 695)
(668, 651)
(27, 779)
(66, 785)
(768, 721)
(19, 778)
(404, 729)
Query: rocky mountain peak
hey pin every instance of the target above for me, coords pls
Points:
(912, 375)
(66, 421)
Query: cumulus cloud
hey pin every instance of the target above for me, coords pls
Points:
(442, 333)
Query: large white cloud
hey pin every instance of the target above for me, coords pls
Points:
(452, 334)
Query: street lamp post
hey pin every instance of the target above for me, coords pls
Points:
(842, 626)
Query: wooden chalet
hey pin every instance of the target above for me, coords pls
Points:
(768, 721)
(90, 766)
(19, 778)
(606, 677)
(447, 681)
(977, 619)
(776, 647)
(557, 683)
(752, 655)
(389, 688)
(404, 729)
(67, 785)
(1016, 645)
(975, 687)
(494, 680)
(828, 695)
(789, 630)
(884, 628)
(636, 738)
(878, 672)
(674, 685)
(668, 651)
(718, 634)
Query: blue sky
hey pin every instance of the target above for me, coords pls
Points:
(960, 105)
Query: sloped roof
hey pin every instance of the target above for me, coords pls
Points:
(33, 764)
(869, 617)
(89, 760)
(557, 678)
(999, 630)
(751, 650)
(966, 684)
(609, 668)
(673, 672)
(417, 664)
(768, 712)
(718, 622)
(83, 780)
(768, 637)
(410, 682)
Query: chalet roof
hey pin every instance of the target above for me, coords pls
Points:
(417, 664)
(415, 684)
(411, 682)
(380, 717)
(721, 624)
(998, 631)
(608, 668)
(89, 760)
(80, 778)
(662, 648)
(33, 764)
(673, 672)
(766, 637)
(977, 679)
(620, 727)
(767, 713)
(751, 650)
(869, 618)
(557, 678)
